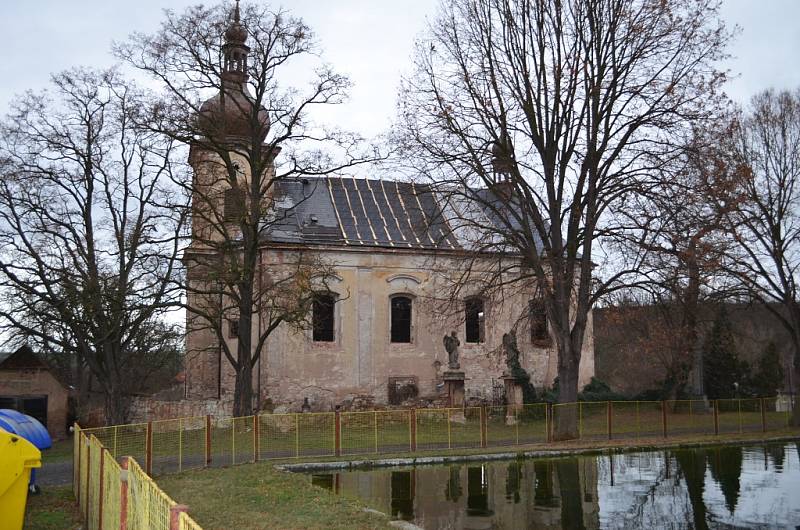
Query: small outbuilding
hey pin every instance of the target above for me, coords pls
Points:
(27, 384)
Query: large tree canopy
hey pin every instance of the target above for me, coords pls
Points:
(564, 109)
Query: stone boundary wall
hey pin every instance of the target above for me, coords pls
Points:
(147, 409)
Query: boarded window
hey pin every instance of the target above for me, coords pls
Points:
(538, 320)
(322, 318)
(234, 205)
(402, 389)
(474, 320)
(401, 319)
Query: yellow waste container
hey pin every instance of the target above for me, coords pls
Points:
(17, 457)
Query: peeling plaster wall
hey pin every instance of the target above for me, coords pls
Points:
(362, 358)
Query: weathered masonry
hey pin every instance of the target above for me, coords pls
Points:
(377, 326)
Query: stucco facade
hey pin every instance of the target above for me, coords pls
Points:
(361, 360)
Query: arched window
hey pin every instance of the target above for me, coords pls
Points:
(323, 318)
(474, 320)
(401, 319)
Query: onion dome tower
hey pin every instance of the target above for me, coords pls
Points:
(230, 115)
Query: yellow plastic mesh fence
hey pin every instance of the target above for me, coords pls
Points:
(148, 506)
(94, 499)
(111, 492)
(187, 523)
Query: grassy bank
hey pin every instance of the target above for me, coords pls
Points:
(255, 496)
(53, 509)
(258, 496)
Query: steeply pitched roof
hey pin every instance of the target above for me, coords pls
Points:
(368, 213)
(22, 358)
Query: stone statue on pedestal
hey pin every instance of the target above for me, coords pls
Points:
(451, 344)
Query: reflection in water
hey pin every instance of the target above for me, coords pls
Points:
(513, 481)
(402, 495)
(478, 492)
(717, 487)
(453, 491)
(726, 468)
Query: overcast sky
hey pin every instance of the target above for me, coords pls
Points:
(368, 40)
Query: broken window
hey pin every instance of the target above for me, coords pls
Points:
(401, 319)
(538, 321)
(322, 317)
(474, 319)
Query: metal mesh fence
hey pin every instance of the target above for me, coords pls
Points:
(148, 506)
(111, 492)
(94, 485)
(187, 523)
(179, 444)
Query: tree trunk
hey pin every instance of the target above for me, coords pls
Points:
(243, 391)
(566, 415)
(117, 406)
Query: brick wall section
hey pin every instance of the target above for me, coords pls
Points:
(39, 382)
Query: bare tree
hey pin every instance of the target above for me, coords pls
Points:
(254, 135)
(681, 236)
(87, 224)
(562, 109)
(766, 221)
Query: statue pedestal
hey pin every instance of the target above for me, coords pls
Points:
(454, 386)
(514, 399)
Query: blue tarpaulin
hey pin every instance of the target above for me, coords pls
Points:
(29, 428)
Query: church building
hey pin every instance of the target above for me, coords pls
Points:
(377, 331)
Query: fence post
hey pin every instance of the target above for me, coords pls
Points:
(337, 433)
(208, 440)
(484, 428)
(256, 438)
(412, 419)
(716, 417)
(608, 419)
(763, 416)
(88, 472)
(296, 435)
(375, 419)
(148, 449)
(123, 494)
(103, 451)
(664, 417)
(580, 420)
(175, 516)
(76, 466)
(549, 424)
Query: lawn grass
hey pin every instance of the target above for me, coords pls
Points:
(60, 452)
(52, 509)
(258, 496)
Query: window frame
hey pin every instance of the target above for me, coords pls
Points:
(411, 314)
(481, 320)
(539, 323)
(333, 297)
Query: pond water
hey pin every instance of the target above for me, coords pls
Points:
(715, 487)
